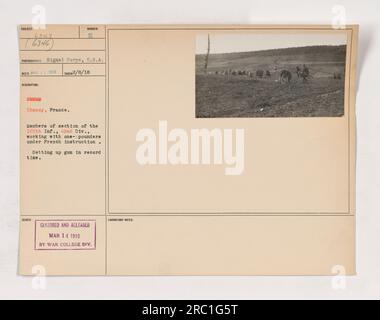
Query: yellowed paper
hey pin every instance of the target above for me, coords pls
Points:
(187, 150)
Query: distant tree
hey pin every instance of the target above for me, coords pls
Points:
(208, 52)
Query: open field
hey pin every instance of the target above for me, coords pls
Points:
(227, 95)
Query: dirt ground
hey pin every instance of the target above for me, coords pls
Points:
(239, 96)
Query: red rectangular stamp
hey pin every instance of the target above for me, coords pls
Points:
(65, 234)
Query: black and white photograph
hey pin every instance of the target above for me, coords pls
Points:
(270, 75)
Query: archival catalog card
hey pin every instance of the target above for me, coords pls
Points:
(187, 150)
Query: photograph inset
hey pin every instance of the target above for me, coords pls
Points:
(270, 75)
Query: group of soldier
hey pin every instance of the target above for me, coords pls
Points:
(285, 75)
(301, 73)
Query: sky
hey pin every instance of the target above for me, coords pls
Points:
(243, 42)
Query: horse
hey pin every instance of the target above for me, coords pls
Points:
(259, 73)
(285, 76)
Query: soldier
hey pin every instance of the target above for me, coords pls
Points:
(298, 71)
(305, 73)
(305, 70)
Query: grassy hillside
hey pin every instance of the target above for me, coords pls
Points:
(273, 58)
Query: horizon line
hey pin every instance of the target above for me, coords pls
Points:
(317, 45)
